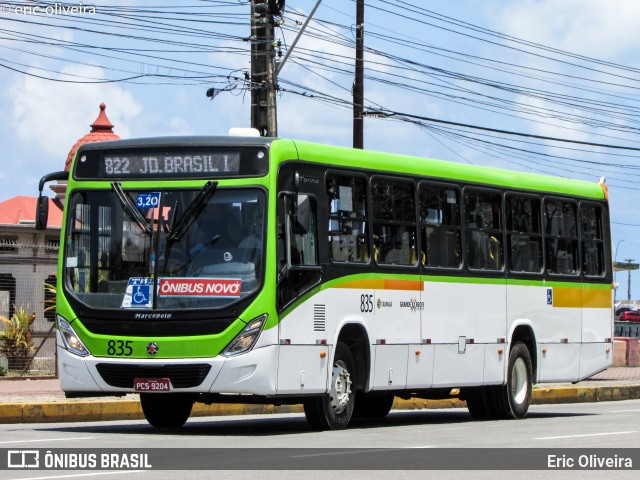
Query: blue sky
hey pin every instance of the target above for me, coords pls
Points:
(456, 69)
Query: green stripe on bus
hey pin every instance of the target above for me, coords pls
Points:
(437, 169)
(368, 277)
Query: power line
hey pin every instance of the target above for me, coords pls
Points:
(507, 132)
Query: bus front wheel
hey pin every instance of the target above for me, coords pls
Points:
(166, 410)
(333, 411)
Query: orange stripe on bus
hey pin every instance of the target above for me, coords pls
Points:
(581, 298)
(404, 285)
(596, 298)
(380, 284)
(567, 297)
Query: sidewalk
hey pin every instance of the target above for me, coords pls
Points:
(41, 400)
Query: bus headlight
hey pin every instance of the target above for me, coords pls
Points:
(71, 341)
(247, 338)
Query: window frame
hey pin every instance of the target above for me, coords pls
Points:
(394, 223)
(467, 229)
(552, 198)
(508, 233)
(367, 219)
(459, 228)
(601, 240)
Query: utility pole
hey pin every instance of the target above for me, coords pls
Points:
(629, 260)
(263, 84)
(358, 84)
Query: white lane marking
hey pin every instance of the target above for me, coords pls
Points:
(624, 411)
(364, 450)
(587, 435)
(77, 475)
(48, 440)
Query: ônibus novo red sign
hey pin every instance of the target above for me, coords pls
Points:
(199, 287)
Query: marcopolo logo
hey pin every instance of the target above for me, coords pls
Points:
(413, 304)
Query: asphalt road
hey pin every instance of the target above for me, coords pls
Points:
(405, 439)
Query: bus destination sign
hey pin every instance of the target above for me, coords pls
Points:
(152, 165)
(171, 163)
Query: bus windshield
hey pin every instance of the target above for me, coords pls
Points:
(164, 250)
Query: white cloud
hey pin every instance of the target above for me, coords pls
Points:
(51, 116)
(596, 28)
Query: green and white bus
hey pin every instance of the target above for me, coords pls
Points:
(262, 270)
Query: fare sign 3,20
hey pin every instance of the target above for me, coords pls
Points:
(200, 287)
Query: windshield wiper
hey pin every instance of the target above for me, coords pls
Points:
(192, 212)
(130, 209)
(178, 228)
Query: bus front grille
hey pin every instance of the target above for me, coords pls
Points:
(181, 376)
(157, 328)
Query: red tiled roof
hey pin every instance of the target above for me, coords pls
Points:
(101, 131)
(20, 208)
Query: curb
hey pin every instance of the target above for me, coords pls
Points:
(103, 410)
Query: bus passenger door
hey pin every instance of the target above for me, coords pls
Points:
(301, 366)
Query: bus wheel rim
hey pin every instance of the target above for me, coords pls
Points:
(519, 385)
(340, 387)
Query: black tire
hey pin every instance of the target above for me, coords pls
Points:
(513, 399)
(480, 403)
(373, 406)
(166, 410)
(333, 411)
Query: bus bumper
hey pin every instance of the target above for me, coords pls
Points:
(254, 372)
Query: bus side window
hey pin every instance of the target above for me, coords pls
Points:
(591, 234)
(524, 233)
(297, 247)
(561, 237)
(347, 218)
(394, 221)
(440, 223)
(303, 232)
(483, 226)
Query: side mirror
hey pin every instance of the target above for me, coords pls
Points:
(302, 213)
(42, 208)
(42, 213)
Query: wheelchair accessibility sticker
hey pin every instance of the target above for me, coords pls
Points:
(139, 293)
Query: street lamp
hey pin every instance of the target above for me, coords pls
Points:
(615, 273)
(629, 261)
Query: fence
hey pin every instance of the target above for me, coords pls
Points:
(627, 329)
(25, 268)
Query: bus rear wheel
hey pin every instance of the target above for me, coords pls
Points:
(513, 399)
(480, 403)
(166, 410)
(333, 411)
(510, 401)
